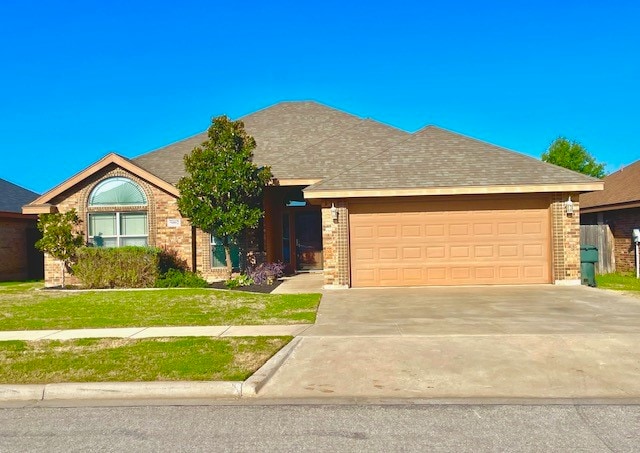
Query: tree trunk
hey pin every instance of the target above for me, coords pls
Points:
(62, 266)
(227, 256)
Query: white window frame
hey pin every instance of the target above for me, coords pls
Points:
(119, 236)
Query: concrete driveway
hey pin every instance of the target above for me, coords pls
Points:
(471, 342)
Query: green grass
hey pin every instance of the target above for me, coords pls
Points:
(623, 282)
(159, 359)
(24, 307)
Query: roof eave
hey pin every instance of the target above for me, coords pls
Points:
(44, 208)
(610, 207)
(311, 193)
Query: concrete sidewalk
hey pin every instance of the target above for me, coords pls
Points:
(150, 332)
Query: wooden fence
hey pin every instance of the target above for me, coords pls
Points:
(601, 237)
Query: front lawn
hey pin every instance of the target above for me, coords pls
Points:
(24, 307)
(623, 282)
(158, 359)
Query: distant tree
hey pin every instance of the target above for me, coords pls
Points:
(59, 238)
(572, 155)
(222, 192)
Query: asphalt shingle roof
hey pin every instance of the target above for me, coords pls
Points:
(13, 197)
(434, 157)
(307, 140)
(297, 139)
(619, 187)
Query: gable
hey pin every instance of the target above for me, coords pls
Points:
(46, 202)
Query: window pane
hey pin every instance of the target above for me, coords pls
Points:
(117, 192)
(218, 257)
(109, 242)
(133, 223)
(134, 241)
(102, 225)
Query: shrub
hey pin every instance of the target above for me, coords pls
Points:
(122, 267)
(176, 278)
(169, 259)
(266, 273)
(240, 280)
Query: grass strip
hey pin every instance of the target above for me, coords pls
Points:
(23, 307)
(622, 282)
(126, 360)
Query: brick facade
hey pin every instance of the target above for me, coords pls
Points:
(161, 206)
(18, 257)
(335, 244)
(565, 239)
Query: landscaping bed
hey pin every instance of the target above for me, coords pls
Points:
(253, 288)
(127, 360)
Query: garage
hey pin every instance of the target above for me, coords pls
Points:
(421, 241)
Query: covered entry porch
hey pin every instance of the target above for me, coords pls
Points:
(292, 229)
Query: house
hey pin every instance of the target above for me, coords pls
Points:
(617, 206)
(19, 259)
(365, 203)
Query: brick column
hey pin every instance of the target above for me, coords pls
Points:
(565, 240)
(335, 245)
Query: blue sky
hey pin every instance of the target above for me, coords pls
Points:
(80, 79)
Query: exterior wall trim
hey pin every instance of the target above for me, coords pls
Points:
(472, 190)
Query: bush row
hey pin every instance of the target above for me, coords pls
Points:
(132, 267)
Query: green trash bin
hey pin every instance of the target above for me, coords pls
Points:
(588, 260)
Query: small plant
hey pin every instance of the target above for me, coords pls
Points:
(240, 280)
(60, 238)
(176, 278)
(266, 273)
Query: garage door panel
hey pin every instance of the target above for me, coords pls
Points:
(446, 244)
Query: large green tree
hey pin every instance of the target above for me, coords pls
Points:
(60, 238)
(572, 155)
(222, 191)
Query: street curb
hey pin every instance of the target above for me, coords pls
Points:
(120, 390)
(149, 390)
(27, 392)
(252, 386)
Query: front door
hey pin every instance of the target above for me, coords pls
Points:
(302, 239)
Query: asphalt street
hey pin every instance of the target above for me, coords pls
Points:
(305, 427)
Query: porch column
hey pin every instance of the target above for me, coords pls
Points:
(335, 245)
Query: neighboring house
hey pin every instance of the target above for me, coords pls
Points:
(617, 206)
(19, 259)
(368, 204)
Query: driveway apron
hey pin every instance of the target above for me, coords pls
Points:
(468, 342)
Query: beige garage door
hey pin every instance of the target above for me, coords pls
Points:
(450, 242)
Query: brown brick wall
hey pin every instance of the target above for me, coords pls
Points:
(565, 239)
(335, 244)
(14, 254)
(161, 207)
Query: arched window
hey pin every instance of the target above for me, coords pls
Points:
(118, 214)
